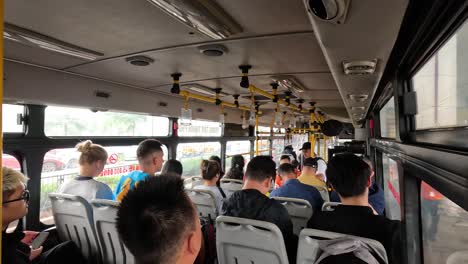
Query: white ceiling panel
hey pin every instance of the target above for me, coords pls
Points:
(272, 55)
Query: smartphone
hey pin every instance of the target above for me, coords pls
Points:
(39, 240)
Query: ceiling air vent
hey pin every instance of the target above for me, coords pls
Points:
(358, 108)
(359, 67)
(139, 60)
(214, 50)
(358, 97)
(102, 94)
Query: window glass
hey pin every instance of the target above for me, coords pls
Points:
(444, 227)
(201, 129)
(191, 154)
(10, 162)
(61, 165)
(441, 85)
(235, 148)
(9, 118)
(277, 149)
(263, 131)
(263, 147)
(65, 121)
(392, 188)
(387, 120)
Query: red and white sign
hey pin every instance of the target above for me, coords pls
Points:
(113, 158)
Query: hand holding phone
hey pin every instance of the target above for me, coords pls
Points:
(39, 240)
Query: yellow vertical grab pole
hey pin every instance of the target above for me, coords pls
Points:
(1, 111)
(325, 148)
(318, 146)
(256, 134)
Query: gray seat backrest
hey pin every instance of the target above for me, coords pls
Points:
(246, 241)
(191, 182)
(74, 221)
(205, 202)
(113, 251)
(329, 206)
(323, 192)
(230, 186)
(299, 210)
(458, 257)
(308, 250)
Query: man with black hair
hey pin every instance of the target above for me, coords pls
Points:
(150, 158)
(350, 177)
(251, 202)
(158, 223)
(293, 188)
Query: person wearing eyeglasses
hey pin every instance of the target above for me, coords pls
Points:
(16, 246)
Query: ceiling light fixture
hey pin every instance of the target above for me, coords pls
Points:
(206, 16)
(198, 88)
(289, 83)
(34, 39)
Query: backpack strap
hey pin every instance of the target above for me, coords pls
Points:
(221, 191)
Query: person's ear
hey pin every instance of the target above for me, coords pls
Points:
(193, 243)
(369, 181)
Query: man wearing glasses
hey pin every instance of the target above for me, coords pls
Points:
(16, 246)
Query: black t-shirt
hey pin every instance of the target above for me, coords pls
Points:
(361, 221)
(252, 204)
(13, 250)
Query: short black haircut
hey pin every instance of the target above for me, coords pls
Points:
(348, 174)
(173, 167)
(154, 218)
(285, 157)
(285, 169)
(261, 168)
(148, 147)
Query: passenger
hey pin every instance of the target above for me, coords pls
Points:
(350, 176)
(236, 171)
(376, 195)
(210, 171)
(173, 167)
(321, 164)
(150, 158)
(218, 159)
(309, 176)
(293, 188)
(16, 246)
(92, 160)
(278, 180)
(158, 223)
(251, 202)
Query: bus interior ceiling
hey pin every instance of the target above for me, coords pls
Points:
(281, 41)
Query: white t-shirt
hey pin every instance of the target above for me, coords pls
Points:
(87, 188)
(321, 168)
(218, 196)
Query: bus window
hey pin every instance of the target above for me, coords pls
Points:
(191, 154)
(277, 149)
(440, 85)
(61, 165)
(392, 188)
(235, 148)
(387, 120)
(66, 121)
(200, 129)
(444, 226)
(263, 147)
(9, 118)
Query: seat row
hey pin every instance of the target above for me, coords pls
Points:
(92, 227)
